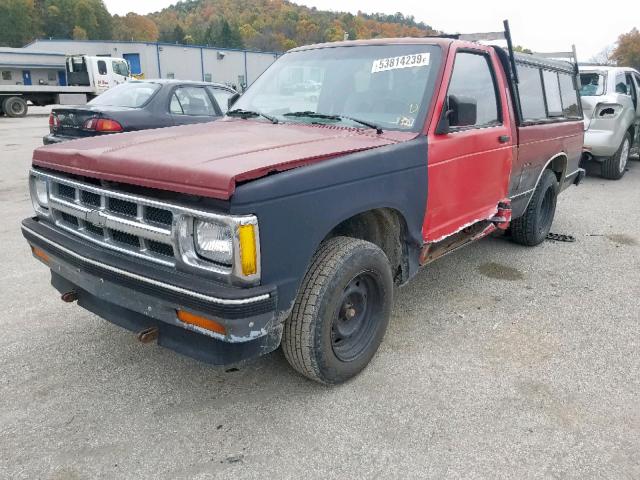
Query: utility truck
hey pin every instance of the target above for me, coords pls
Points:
(292, 220)
(86, 78)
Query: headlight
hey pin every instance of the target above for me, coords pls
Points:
(227, 246)
(214, 241)
(38, 190)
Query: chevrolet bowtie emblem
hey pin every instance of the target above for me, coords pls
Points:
(97, 218)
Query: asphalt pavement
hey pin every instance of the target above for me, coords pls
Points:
(500, 361)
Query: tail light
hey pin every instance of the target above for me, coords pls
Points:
(53, 122)
(102, 125)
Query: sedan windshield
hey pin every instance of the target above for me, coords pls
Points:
(130, 94)
(591, 84)
(365, 86)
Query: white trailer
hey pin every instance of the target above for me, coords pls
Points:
(86, 78)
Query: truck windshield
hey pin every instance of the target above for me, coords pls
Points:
(131, 94)
(591, 84)
(388, 86)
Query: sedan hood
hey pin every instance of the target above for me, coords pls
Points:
(207, 159)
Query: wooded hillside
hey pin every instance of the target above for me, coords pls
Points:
(257, 24)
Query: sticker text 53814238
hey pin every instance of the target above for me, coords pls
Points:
(403, 61)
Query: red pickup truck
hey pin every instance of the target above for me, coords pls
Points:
(340, 172)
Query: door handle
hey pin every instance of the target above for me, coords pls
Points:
(504, 138)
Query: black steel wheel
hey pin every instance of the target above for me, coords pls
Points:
(341, 312)
(356, 317)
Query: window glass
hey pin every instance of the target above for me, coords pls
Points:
(591, 84)
(120, 68)
(222, 98)
(387, 85)
(191, 101)
(51, 76)
(6, 75)
(175, 106)
(630, 87)
(531, 95)
(130, 94)
(471, 81)
(621, 84)
(207, 77)
(569, 96)
(552, 91)
(102, 67)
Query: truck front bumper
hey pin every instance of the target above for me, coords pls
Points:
(139, 297)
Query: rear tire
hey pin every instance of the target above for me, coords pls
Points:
(341, 312)
(533, 227)
(15, 107)
(614, 167)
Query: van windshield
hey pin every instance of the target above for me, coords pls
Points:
(591, 84)
(386, 85)
(130, 94)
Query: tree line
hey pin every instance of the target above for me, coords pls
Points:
(273, 25)
(258, 24)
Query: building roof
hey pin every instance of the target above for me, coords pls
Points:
(28, 51)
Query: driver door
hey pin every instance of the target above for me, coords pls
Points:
(470, 165)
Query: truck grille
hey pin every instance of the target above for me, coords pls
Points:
(119, 221)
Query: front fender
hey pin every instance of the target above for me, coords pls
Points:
(296, 209)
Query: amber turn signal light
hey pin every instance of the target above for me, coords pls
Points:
(248, 256)
(40, 254)
(202, 322)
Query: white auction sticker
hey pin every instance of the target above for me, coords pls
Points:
(403, 61)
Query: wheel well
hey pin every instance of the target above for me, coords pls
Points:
(559, 166)
(384, 227)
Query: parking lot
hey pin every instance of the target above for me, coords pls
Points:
(500, 361)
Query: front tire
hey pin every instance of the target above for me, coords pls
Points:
(614, 167)
(341, 312)
(533, 227)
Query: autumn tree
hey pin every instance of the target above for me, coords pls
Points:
(627, 53)
(135, 27)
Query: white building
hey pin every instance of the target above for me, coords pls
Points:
(166, 60)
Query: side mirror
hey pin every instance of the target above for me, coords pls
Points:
(232, 99)
(458, 112)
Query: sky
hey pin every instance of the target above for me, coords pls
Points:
(540, 25)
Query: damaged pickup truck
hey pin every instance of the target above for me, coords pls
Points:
(340, 172)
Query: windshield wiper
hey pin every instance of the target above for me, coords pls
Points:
(239, 112)
(326, 116)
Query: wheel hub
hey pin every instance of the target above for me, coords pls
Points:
(355, 317)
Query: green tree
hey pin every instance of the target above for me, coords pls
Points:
(222, 34)
(18, 22)
(61, 16)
